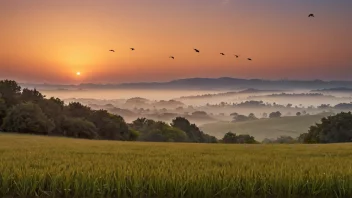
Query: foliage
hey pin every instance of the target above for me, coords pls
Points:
(76, 109)
(153, 131)
(79, 128)
(2, 110)
(111, 127)
(33, 96)
(276, 114)
(54, 109)
(10, 92)
(332, 129)
(232, 138)
(193, 132)
(242, 118)
(324, 106)
(27, 118)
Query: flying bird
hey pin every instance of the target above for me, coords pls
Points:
(196, 50)
(311, 15)
(132, 48)
(222, 54)
(249, 59)
(236, 56)
(172, 57)
(111, 50)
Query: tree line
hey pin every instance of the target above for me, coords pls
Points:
(28, 111)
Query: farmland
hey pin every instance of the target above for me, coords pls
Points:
(61, 167)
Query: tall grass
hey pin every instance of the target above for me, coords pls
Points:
(32, 166)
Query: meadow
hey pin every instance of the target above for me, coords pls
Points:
(36, 166)
(265, 128)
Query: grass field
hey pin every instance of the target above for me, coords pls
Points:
(33, 166)
(265, 128)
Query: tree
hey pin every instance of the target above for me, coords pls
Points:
(153, 131)
(251, 116)
(34, 96)
(2, 110)
(240, 118)
(232, 138)
(234, 114)
(276, 114)
(77, 110)
(332, 129)
(229, 137)
(79, 128)
(54, 109)
(199, 113)
(298, 114)
(194, 134)
(245, 139)
(110, 126)
(27, 118)
(10, 92)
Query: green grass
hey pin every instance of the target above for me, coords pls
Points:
(265, 128)
(35, 166)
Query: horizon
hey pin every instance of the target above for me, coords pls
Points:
(68, 42)
(180, 79)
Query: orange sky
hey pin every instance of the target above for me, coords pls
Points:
(49, 41)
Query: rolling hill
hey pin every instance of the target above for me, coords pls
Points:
(265, 128)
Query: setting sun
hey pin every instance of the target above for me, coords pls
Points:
(78, 73)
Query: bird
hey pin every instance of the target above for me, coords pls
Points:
(111, 50)
(172, 57)
(249, 59)
(196, 50)
(132, 48)
(222, 54)
(311, 15)
(236, 56)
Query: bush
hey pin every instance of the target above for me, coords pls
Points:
(333, 129)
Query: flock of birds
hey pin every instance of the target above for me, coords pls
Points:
(197, 51)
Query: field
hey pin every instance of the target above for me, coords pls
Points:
(35, 166)
(265, 128)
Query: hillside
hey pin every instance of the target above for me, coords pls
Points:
(265, 128)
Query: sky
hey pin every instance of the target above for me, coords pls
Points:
(50, 41)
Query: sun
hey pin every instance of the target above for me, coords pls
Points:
(78, 73)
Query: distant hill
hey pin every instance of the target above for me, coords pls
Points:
(232, 93)
(224, 83)
(236, 83)
(336, 89)
(265, 128)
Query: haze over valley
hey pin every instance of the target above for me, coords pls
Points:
(213, 109)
